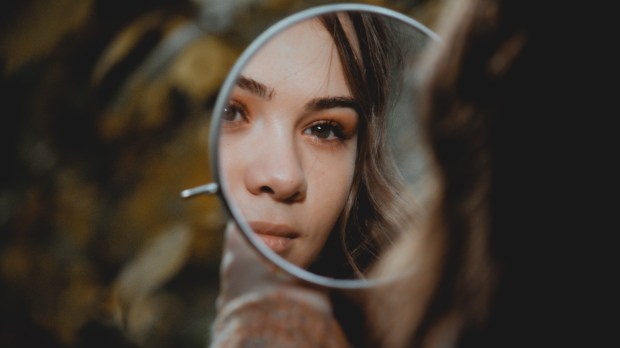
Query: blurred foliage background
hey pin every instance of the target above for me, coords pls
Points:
(105, 117)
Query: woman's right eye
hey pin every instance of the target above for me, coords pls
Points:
(234, 112)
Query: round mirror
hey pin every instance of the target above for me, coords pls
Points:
(315, 142)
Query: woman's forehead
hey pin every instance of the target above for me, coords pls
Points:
(302, 57)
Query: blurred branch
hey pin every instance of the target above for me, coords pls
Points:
(37, 28)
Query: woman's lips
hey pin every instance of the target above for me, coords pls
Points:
(277, 237)
(277, 244)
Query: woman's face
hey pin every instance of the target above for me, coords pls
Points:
(289, 141)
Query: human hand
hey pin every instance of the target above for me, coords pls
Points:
(260, 304)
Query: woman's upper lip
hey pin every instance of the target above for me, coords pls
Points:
(273, 229)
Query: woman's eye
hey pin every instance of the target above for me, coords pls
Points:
(234, 113)
(325, 131)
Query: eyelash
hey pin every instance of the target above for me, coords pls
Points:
(335, 131)
(330, 126)
(236, 107)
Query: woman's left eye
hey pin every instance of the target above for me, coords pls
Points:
(234, 112)
(325, 130)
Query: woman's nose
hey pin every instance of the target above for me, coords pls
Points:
(277, 171)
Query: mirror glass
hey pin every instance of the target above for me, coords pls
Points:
(318, 153)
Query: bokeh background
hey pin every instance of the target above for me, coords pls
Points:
(105, 108)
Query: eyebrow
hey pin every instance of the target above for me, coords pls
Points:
(316, 104)
(255, 87)
(319, 104)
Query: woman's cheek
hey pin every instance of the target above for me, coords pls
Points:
(343, 170)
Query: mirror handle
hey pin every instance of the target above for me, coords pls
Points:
(207, 189)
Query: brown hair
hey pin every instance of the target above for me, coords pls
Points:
(489, 269)
(375, 206)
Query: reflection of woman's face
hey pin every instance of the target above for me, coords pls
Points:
(289, 141)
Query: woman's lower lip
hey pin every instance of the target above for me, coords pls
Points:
(276, 243)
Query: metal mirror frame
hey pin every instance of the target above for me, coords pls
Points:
(214, 139)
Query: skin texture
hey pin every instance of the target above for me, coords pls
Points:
(257, 307)
(289, 141)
